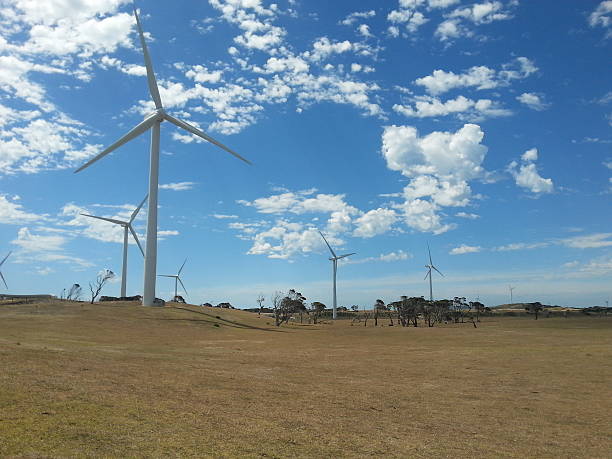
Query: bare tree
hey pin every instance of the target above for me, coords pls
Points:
(96, 286)
(260, 300)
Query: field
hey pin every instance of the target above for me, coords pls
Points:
(120, 380)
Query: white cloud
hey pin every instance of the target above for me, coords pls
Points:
(178, 186)
(591, 241)
(466, 215)
(602, 15)
(364, 31)
(478, 77)
(530, 155)
(440, 165)
(390, 257)
(463, 249)
(464, 108)
(12, 213)
(533, 101)
(40, 248)
(526, 175)
(224, 217)
(354, 17)
(375, 222)
(458, 21)
(520, 246)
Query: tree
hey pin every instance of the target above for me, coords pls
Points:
(459, 307)
(96, 286)
(316, 310)
(260, 300)
(74, 293)
(534, 308)
(378, 306)
(286, 305)
(408, 309)
(355, 308)
(478, 308)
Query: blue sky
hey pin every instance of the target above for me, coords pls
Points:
(482, 128)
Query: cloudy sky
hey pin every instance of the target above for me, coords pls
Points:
(482, 128)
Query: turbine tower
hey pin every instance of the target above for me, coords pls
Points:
(511, 288)
(177, 279)
(127, 226)
(153, 122)
(1, 263)
(334, 259)
(429, 267)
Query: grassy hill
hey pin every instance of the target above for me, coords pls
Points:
(120, 380)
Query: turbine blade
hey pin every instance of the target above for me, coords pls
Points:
(2, 262)
(196, 131)
(133, 216)
(3, 280)
(329, 246)
(136, 238)
(182, 285)
(139, 129)
(153, 89)
(429, 251)
(347, 255)
(181, 268)
(428, 274)
(166, 275)
(438, 271)
(112, 220)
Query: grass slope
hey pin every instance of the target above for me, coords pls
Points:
(122, 380)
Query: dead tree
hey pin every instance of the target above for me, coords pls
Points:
(96, 286)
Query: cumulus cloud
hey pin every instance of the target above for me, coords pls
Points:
(478, 77)
(533, 101)
(462, 107)
(375, 222)
(390, 257)
(37, 247)
(356, 16)
(460, 21)
(526, 174)
(440, 166)
(602, 16)
(13, 213)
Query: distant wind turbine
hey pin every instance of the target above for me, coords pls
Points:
(1, 263)
(429, 267)
(511, 288)
(127, 226)
(153, 122)
(177, 279)
(334, 259)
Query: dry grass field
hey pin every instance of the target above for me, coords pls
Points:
(120, 380)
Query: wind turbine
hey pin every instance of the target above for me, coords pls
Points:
(1, 263)
(334, 259)
(429, 267)
(127, 226)
(511, 288)
(177, 279)
(153, 122)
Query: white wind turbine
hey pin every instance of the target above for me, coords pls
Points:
(511, 288)
(177, 279)
(1, 263)
(153, 122)
(127, 226)
(429, 267)
(334, 259)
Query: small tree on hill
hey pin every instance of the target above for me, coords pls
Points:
(534, 308)
(260, 300)
(478, 308)
(96, 286)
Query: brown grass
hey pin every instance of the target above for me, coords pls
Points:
(120, 380)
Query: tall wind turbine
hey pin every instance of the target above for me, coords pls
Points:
(334, 259)
(153, 122)
(127, 226)
(429, 267)
(177, 279)
(1, 263)
(511, 288)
